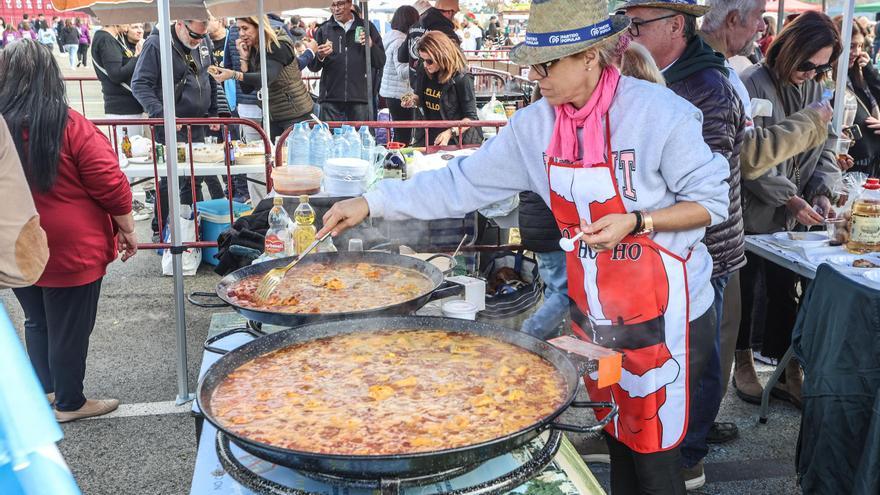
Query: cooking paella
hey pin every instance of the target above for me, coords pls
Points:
(334, 288)
(388, 393)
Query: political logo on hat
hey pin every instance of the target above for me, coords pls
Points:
(559, 28)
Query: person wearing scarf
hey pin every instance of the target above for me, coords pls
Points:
(623, 161)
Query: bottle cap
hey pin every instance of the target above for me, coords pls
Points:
(278, 201)
(304, 198)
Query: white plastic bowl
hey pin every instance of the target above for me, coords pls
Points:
(461, 309)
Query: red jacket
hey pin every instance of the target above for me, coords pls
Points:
(76, 212)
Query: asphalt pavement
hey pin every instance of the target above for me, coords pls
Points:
(148, 446)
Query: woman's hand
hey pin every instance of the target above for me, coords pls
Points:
(844, 162)
(126, 243)
(803, 213)
(863, 60)
(822, 205)
(343, 215)
(243, 49)
(443, 138)
(873, 124)
(220, 74)
(607, 232)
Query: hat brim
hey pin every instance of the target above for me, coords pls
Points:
(531, 55)
(685, 8)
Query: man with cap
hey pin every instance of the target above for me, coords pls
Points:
(694, 71)
(436, 18)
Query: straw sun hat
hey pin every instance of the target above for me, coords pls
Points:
(559, 28)
(685, 6)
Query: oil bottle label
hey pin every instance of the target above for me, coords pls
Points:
(274, 244)
(865, 229)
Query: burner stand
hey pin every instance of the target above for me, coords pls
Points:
(391, 486)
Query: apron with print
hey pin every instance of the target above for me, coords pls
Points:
(633, 299)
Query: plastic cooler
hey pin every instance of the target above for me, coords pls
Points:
(214, 219)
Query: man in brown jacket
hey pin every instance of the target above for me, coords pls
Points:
(23, 247)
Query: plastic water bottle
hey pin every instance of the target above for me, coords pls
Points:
(340, 145)
(354, 142)
(368, 144)
(320, 146)
(298, 152)
(279, 242)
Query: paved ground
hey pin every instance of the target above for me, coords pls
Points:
(148, 447)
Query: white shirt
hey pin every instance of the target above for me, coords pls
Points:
(347, 25)
(743, 94)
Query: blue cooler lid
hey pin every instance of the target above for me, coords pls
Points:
(217, 210)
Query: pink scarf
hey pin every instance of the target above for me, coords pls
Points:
(564, 143)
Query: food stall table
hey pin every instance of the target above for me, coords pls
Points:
(803, 259)
(566, 474)
(142, 172)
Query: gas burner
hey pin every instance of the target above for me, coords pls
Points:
(392, 486)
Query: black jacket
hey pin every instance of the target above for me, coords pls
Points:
(69, 36)
(537, 226)
(700, 77)
(118, 62)
(431, 20)
(837, 341)
(195, 91)
(344, 72)
(457, 102)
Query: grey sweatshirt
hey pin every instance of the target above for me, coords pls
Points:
(654, 128)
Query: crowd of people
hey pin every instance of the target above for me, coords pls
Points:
(641, 135)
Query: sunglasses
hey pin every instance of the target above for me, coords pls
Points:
(637, 23)
(194, 35)
(809, 66)
(543, 69)
(428, 61)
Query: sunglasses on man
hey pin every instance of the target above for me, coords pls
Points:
(810, 66)
(194, 35)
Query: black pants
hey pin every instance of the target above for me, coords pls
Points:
(335, 111)
(659, 473)
(772, 311)
(57, 326)
(83, 54)
(401, 135)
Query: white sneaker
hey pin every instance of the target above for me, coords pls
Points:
(139, 211)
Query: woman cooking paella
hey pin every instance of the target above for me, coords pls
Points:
(641, 193)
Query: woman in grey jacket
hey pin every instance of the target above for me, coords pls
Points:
(395, 75)
(792, 196)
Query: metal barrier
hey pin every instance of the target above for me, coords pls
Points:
(388, 125)
(80, 80)
(187, 124)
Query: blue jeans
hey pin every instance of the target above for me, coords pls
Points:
(551, 267)
(705, 399)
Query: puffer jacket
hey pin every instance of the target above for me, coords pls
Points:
(395, 75)
(705, 85)
(537, 226)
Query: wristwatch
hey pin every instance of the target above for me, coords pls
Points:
(647, 223)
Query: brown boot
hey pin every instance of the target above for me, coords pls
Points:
(745, 378)
(790, 385)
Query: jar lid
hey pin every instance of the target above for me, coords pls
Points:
(459, 306)
(872, 184)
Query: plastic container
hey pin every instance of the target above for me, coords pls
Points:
(345, 176)
(213, 220)
(864, 229)
(463, 310)
(297, 179)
